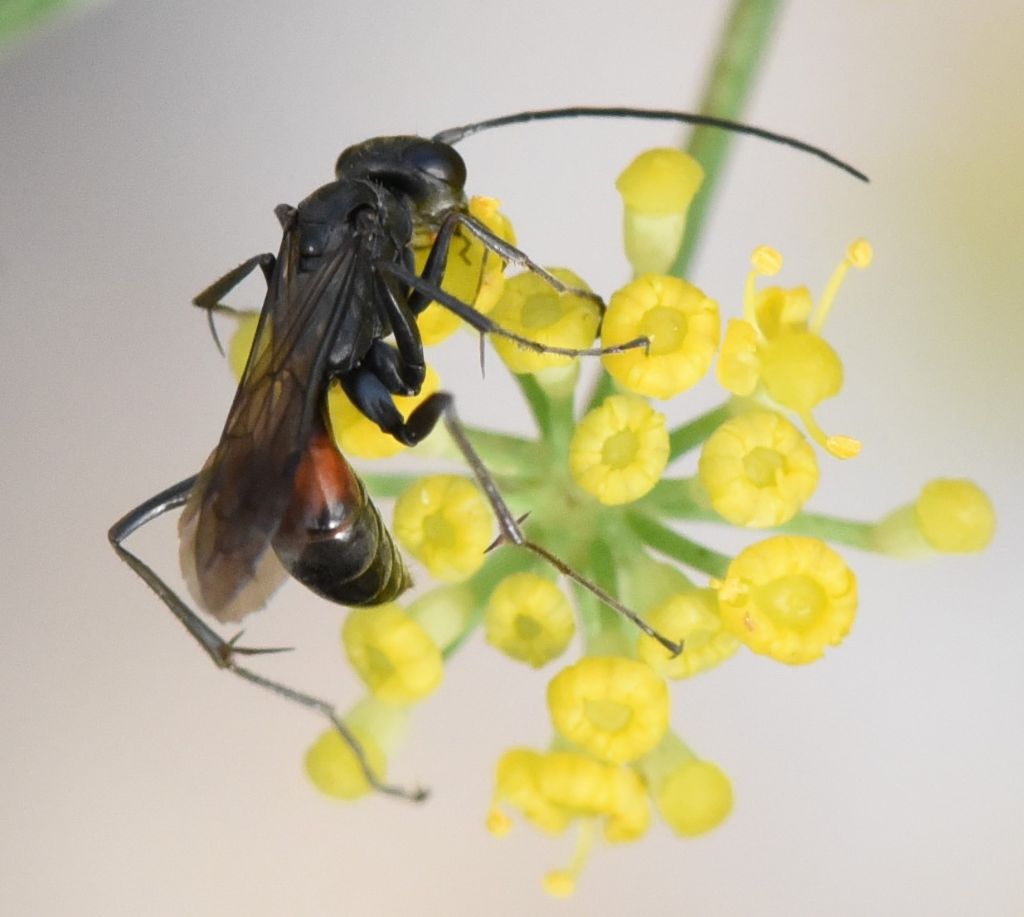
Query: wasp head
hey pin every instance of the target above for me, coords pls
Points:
(431, 175)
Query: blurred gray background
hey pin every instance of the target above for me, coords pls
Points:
(142, 148)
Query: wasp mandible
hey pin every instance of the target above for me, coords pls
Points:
(276, 497)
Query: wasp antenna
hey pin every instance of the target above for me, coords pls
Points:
(455, 134)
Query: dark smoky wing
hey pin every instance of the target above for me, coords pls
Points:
(244, 488)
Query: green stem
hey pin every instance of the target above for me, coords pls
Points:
(678, 498)
(682, 439)
(830, 528)
(671, 543)
(538, 400)
(603, 387)
(740, 51)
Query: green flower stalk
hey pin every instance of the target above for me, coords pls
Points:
(602, 492)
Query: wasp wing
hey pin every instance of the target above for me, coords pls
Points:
(244, 488)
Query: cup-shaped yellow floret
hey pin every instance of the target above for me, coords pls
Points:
(615, 708)
(392, 653)
(357, 435)
(529, 618)
(694, 797)
(657, 188)
(789, 597)
(691, 618)
(619, 449)
(445, 522)
(530, 307)
(955, 516)
(681, 324)
(473, 273)
(758, 470)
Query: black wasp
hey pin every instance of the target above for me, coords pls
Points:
(276, 498)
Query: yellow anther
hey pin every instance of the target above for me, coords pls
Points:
(860, 253)
(766, 261)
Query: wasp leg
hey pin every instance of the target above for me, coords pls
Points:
(441, 405)
(484, 325)
(221, 651)
(210, 298)
(434, 268)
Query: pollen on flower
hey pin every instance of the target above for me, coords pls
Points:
(615, 708)
(445, 522)
(529, 619)
(694, 798)
(334, 769)
(619, 450)
(473, 273)
(757, 469)
(789, 597)
(955, 516)
(391, 653)
(681, 324)
(357, 435)
(532, 308)
(692, 618)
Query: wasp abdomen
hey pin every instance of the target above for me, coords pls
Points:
(332, 538)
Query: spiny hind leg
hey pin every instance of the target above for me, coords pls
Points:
(221, 651)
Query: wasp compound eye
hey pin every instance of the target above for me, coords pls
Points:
(439, 161)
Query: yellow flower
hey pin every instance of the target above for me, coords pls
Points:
(531, 308)
(473, 274)
(392, 653)
(445, 522)
(335, 771)
(692, 618)
(694, 798)
(331, 764)
(788, 597)
(657, 188)
(950, 516)
(682, 326)
(357, 435)
(529, 618)
(777, 345)
(758, 470)
(955, 516)
(554, 789)
(615, 708)
(619, 450)
(241, 341)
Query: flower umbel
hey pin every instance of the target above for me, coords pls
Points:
(599, 490)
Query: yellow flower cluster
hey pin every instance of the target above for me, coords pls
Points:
(600, 491)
